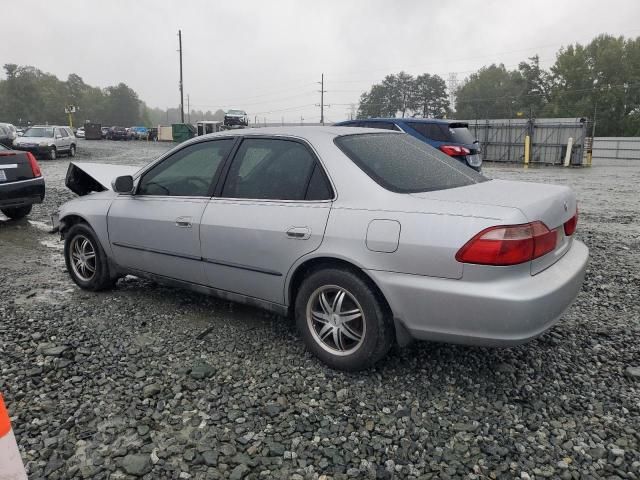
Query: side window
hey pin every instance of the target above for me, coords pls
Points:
(190, 172)
(58, 132)
(65, 132)
(269, 169)
(319, 188)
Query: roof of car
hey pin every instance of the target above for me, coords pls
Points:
(308, 133)
(443, 121)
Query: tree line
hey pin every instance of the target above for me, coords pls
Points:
(600, 80)
(29, 96)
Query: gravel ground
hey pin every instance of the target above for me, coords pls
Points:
(149, 381)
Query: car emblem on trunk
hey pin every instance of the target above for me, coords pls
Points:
(566, 207)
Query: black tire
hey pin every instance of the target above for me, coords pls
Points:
(72, 150)
(100, 279)
(52, 154)
(17, 213)
(375, 324)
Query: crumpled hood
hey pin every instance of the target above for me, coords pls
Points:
(84, 178)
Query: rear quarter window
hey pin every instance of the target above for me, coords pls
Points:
(403, 164)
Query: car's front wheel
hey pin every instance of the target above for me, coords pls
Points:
(85, 259)
(342, 319)
(16, 213)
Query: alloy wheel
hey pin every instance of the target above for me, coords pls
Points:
(83, 258)
(336, 320)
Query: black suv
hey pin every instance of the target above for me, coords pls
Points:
(117, 133)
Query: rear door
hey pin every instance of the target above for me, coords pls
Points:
(272, 209)
(157, 230)
(63, 142)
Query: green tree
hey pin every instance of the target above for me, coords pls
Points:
(598, 80)
(430, 96)
(402, 94)
(123, 105)
(492, 92)
(536, 86)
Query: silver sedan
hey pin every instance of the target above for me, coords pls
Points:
(368, 238)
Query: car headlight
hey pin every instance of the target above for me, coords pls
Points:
(43, 144)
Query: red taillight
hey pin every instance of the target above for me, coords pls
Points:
(571, 224)
(35, 168)
(508, 245)
(7, 154)
(454, 150)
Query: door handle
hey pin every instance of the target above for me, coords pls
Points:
(183, 222)
(299, 233)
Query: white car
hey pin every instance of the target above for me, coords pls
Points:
(47, 140)
(80, 132)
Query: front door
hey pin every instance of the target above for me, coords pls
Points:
(273, 209)
(157, 230)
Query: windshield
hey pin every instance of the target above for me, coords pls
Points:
(400, 163)
(235, 112)
(39, 132)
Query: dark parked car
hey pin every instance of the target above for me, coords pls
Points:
(118, 133)
(449, 136)
(21, 182)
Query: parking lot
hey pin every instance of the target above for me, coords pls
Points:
(150, 381)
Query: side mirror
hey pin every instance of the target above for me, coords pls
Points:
(123, 184)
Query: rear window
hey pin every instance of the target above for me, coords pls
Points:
(440, 132)
(460, 133)
(403, 164)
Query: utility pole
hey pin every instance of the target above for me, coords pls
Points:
(188, 109)
(181, 82)
(352, 111)
(322, 92)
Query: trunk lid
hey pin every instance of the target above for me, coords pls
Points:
(551, 204)
(14, 166)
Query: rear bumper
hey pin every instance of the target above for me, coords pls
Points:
(490, 313)
(22, 193)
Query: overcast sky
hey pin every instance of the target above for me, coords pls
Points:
(265, 56)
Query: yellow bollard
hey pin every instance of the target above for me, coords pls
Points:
(527, 148)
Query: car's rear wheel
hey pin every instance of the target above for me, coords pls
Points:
(85, 259)
(53, 154)
(72, 151)
(16, 213)
(342, 320)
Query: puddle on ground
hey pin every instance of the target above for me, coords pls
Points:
(47, 296)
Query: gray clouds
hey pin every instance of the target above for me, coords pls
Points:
(265, 56)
